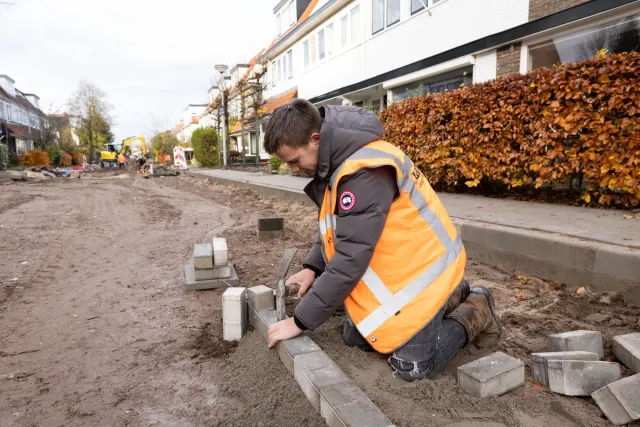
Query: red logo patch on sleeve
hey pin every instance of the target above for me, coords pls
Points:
(347, 201)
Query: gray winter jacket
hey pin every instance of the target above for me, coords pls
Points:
(358, 227)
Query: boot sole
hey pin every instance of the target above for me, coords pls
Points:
(492, 307)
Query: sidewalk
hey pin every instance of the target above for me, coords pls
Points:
(578, 246)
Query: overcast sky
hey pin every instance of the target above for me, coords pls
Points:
(149, 56)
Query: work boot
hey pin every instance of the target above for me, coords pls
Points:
(478, 316)
(459, 294)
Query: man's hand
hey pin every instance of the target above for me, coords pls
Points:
(283, 330)
(304, 279)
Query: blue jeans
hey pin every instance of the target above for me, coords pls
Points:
(423, 355)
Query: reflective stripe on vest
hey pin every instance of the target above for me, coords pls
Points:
(391, 304)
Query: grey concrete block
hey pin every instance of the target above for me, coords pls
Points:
(581, 340)
(620, 401)
(345, 404)
(264, 236)
(191, 284)
(492, 375)
(619, 262)
(316, 370)
(220, 251)
(203, 256)
(217, 272)
(539, 362)
(262, 320)
(289, 349)
(234, 313)
(580, 377)
(261, 298)
(627, 349)
(270, 224)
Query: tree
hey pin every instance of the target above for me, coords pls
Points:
(90, 113)
(164, 142)
(205, 146)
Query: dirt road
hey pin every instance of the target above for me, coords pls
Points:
(95, 328)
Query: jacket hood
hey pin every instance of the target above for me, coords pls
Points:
(344, 131)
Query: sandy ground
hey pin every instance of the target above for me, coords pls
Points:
(97, 330)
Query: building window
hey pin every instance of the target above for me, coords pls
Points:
(292, 14)
(290, 59)
(312, 48)
(620, 35)
(356, 32)
(377, 16)
(436, 84)
(330, 38)
(305, 48)
(417, 5)
(285, 18)
(2, 116)
(393, 12)
(321, 52)
(284, 67)
(279, 69)
(273, 73)
(278, 25)
(344, 30)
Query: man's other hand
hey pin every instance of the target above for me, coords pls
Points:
(304, 279)
(283, 330)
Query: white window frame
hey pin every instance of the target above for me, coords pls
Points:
(306, 53)
(322, 45)
(285, 18)
(279, 23)
(330, 37)
(2, 115)
(345, 29)
(292, 13)
(387, 14)
(384, 16)
(355, 27)
(289, 57)
(274, 76)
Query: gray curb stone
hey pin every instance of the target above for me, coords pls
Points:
(620, 401)
(340, 402)
(627, 350)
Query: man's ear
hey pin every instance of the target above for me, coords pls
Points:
(315, 139)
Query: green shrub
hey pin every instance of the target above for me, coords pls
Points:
(14, 161)
(55, 155)
(4, 156)
(275, 162)
(205, 147)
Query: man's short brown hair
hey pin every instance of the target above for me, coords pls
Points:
(292, 125)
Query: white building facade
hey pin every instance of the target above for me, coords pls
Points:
(371, 53)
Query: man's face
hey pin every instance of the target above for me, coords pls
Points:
(301, 159)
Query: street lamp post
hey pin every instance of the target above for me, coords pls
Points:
(221, 68)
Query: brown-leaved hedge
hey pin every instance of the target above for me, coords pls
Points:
(572, 124)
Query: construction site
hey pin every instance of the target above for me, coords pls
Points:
(100, 325)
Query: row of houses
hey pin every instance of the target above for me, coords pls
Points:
(372, 53)
(23, 125)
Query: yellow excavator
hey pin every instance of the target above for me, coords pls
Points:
(133, 147)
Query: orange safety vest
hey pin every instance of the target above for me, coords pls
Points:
(417, 263)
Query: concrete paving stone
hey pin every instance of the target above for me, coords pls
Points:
(580, 377)
(220, 251)
(539, 362)
(191, 284)
(261, 298)
(316, 370)
(217, 272)
(264, 236)
(627, 349)
(492, 375)
(262, 320)
(234, 307)
(620, 401)
(288, 349)
(580, 340)
(203, 255)
(271, 224)
(345, 405)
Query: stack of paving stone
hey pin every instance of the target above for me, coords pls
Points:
(573, 367)
(211, 267)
